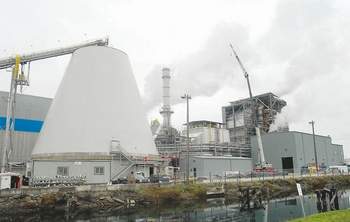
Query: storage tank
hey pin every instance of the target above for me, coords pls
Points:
(97, 103)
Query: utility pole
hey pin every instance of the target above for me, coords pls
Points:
(187, 97)
(314, 138)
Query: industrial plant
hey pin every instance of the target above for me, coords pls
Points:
(96, 128)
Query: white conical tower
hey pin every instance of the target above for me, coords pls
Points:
(98, 101)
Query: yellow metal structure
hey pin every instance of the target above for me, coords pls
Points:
(17, 66)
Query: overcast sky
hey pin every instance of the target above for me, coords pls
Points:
(298, 50)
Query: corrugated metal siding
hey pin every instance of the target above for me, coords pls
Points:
(299, 146)
(217, 166)
(29, 114)
(27, 106)
(275, 146)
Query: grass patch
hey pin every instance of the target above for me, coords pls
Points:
(331, 216)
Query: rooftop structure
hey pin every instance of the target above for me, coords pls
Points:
(205, 132)
(205, 123)
(240, 116)
(206, 137)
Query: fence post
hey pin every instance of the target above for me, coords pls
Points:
(225, 178)
(210, 177)
(158, 177)
(263, 175)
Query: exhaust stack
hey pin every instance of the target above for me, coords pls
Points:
(166, 109)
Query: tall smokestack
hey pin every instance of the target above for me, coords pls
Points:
(166, 110)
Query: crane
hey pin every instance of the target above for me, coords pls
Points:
(18, 63)
(263, 165)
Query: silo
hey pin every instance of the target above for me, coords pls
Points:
(97, 107)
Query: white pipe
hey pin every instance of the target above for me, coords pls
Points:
(260, 146)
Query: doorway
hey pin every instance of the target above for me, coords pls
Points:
(151, 171)
(287, 164)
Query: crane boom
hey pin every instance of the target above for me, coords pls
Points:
(9, 62)
(263, 162)
(246, 75)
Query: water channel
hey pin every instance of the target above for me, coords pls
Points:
(214, 210)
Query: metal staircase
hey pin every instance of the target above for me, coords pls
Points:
(124, 156)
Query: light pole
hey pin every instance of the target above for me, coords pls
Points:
(313, 136)
(187, 97)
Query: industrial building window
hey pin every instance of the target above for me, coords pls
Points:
(99, 170)
(62, 171)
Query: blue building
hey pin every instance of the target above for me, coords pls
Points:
(30, 112)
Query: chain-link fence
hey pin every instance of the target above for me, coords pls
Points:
(255, 175)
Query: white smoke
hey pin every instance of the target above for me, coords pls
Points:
(204, 72)
(305, 36)
(280, 123)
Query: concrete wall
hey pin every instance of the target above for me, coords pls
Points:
(216, 165)
(30, 113)
(299, 146)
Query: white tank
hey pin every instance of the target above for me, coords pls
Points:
(98, 102)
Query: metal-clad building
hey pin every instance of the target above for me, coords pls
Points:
(293, 150)
(30, 112)
(206, 165)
